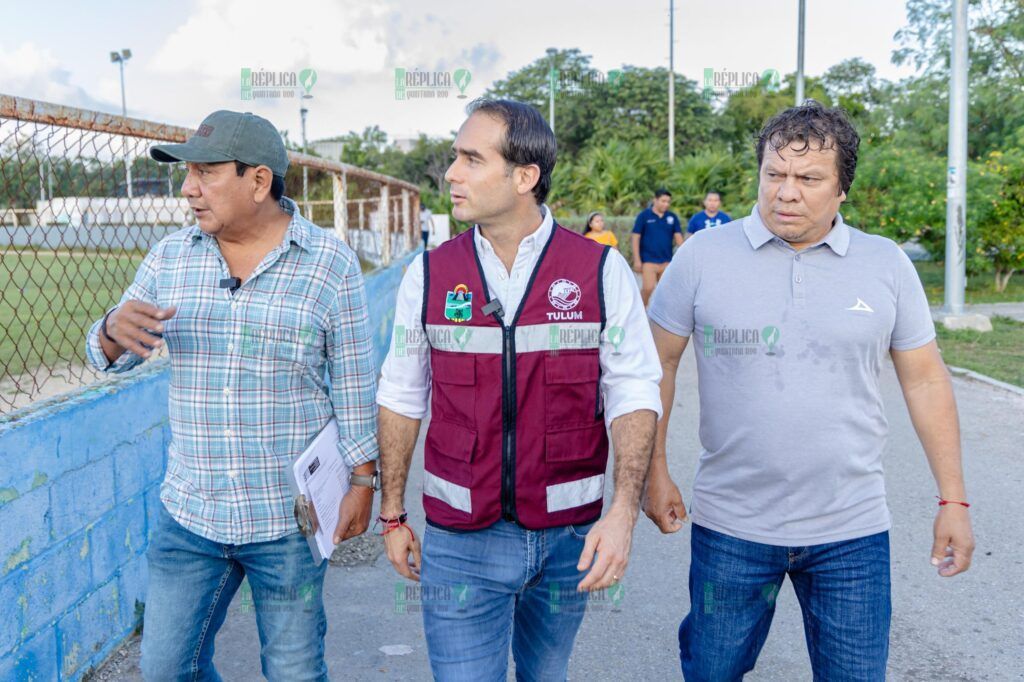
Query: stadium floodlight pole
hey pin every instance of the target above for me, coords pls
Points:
(120, 58)
(956, 178)
(671, 82)
(800, 53)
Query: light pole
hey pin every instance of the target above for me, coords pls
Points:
(800, 54)
(671, 82)
(120, 58)
(551, 88)
(956, 179)
(305, 169)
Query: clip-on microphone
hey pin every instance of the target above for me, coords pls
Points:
(493, 307)
(231, 283)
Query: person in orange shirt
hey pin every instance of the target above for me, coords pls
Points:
(594, 229)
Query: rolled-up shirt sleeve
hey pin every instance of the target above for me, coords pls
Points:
(142, 288)
(405, 377)
(351, 367)
(630, 369)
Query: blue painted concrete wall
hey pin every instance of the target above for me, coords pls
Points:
(79, 492)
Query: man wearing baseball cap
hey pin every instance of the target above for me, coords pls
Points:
(255, 305)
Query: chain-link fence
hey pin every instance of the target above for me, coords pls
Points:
(81, 202)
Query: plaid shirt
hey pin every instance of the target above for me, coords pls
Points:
(247, 390)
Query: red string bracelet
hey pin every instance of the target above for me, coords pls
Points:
(943, 503)
(396, 527)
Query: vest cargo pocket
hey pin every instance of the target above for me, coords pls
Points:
(449, 449)
(575, 444)
(572, 389)
(454, 387)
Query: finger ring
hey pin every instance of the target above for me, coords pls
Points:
(615, 577)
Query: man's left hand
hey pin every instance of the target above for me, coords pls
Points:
(354, 513)
(954, 540)
(610, 538)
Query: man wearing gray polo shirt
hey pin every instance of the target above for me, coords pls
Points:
(792, 312)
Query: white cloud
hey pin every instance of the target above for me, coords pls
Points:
(223, 36)
(35, 72)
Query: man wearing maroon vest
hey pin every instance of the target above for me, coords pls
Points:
(527, 341)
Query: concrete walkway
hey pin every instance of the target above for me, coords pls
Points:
(967, 628)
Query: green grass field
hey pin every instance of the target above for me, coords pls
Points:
(48, 301)
(998, 353)
(979, 287)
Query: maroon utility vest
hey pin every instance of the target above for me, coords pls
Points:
(517, 423)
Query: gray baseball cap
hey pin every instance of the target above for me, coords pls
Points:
(230, 136)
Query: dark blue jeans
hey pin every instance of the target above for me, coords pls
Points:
(486, 588)
(191, 583)
(843, 589)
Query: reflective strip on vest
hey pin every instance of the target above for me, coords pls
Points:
(464, 338)
(454, 495)
(562, 496)
(529, 338)
(553, 337)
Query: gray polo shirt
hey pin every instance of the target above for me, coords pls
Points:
(789, 347)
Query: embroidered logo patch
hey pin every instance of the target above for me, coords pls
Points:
(564, 295)
(458, 305)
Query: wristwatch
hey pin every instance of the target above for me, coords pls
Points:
(372, 481)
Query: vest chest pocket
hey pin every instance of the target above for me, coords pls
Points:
(572, 390)
(454, 387)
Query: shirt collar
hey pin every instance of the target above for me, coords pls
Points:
(298, 232)
(535, 240)
(837, 239)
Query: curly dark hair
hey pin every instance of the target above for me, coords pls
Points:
(817, 127)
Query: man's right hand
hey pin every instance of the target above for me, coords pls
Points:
(130, 325)
(401, 544)
(637, 265)
(663, 503)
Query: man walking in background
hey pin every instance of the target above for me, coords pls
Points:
(793, 313)
(655, 231)
(526, 341)
(711, 216)
(426, 225)
(254, 303)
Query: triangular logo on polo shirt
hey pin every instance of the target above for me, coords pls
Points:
(861, 306)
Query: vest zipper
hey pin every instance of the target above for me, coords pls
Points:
(508, 425)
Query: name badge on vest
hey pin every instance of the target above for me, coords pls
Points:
(458, 305)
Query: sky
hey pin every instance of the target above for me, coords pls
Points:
(188, 56)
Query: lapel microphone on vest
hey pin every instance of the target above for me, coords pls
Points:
(231, 283)
(493, 307)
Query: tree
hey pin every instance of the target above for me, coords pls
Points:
(591, 108)
(1001, 234)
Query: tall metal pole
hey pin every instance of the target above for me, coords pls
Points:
(956, 179)
(671, 82)
(305, 170)
(800, 53)
(124, 141)
(551, 89)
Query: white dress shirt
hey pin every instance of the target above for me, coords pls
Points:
(630, 371)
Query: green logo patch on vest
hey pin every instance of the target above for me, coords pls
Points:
(458, 305)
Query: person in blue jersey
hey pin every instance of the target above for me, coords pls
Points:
(711, 216)
(655, 231)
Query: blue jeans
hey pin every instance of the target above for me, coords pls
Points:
(482, 589)
(191, 583)
(843, 589)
